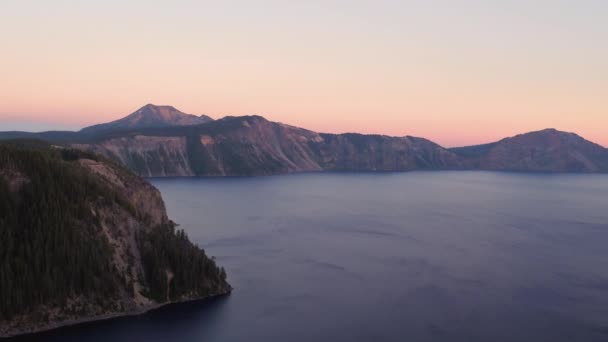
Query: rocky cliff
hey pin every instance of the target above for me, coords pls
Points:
(159, 141)
(252, 145)
(85, 239)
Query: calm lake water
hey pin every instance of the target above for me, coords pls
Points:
(420, 256)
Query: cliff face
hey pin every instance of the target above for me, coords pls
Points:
(85, 239)
(160, 141)
(157, 156)
(358, 152)
(252, 145)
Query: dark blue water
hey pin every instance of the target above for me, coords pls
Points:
(422, 256)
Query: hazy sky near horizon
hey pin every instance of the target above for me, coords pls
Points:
(456, 72)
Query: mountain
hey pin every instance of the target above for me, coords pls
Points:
(85, 239)
(150, 116)
(161, 141)
(54, 136)
(252, 145)
(548, 150)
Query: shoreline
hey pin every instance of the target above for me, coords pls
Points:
(137, 312)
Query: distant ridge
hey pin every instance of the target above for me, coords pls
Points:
(159, 141)
(150, 116)
(548, 150)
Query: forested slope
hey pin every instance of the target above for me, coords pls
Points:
(84, 238)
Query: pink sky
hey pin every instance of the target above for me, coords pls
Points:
(457, 75)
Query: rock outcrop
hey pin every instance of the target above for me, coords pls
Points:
(86, 239)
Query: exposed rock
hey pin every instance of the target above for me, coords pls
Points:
(252, 145)
(160, 141)
(150, 156)
(124, 220)
(14, 179)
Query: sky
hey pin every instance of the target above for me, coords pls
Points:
(458, 72)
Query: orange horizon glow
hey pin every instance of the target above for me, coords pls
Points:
(458, 75)
(447, 134)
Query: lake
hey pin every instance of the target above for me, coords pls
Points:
(419, 256)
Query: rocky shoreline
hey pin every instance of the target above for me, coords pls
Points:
(18, 332)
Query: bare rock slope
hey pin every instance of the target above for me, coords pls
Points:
(252, 145)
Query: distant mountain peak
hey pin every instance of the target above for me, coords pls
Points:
(150, 116)
(547, 150)
(547, 135)
(552, 131)
(545, 131)
(153, 107)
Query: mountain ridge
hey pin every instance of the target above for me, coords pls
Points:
(149, 116)
(541, 151)
(253, 145)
